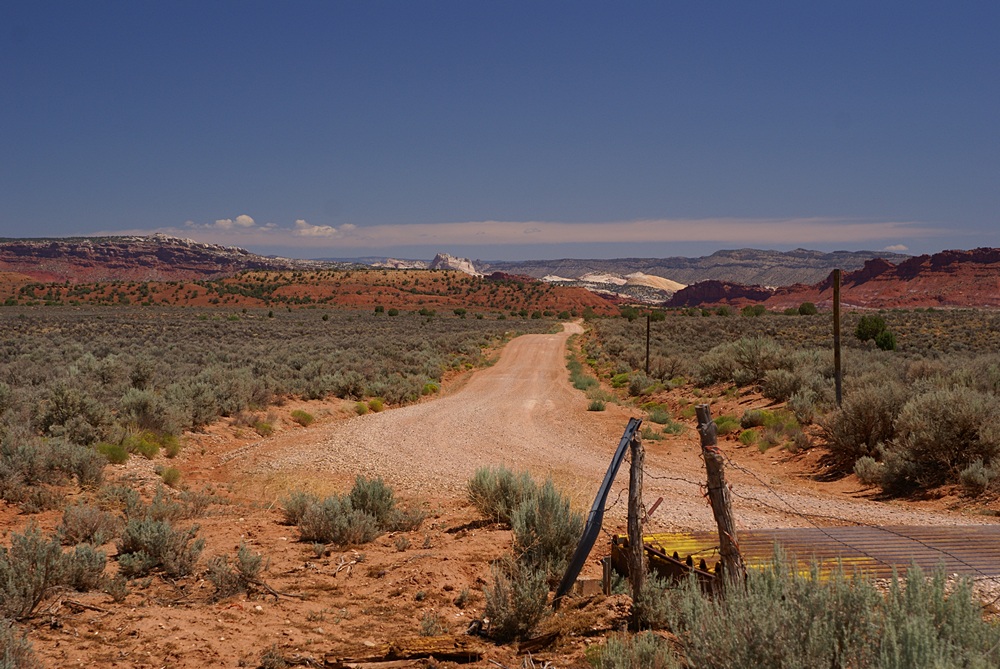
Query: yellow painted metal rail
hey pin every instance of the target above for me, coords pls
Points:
(973, 550)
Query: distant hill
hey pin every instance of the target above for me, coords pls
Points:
(134, 258)
(947, 279)
(744, 266)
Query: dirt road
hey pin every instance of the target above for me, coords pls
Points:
(522, 412)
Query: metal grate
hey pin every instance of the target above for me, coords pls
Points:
(970, 549)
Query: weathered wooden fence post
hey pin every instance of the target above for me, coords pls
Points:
(733, 569)
(637, 557)
(838, 375)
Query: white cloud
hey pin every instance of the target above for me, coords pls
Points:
(241, 222)
(725, 232)
(305, 229)
(897, 248)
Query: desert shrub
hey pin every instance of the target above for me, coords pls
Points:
(361, 408)
(148, 544)
(886, 340)
(869, 326)
(115, 453)
(263, 428)
(976, 478)
(753, 310)
(242, 575)
(145, 443)
(374, 497)
(85, 524)
(802, 403)
(432, 623)
(303, 418)
(73, 414)
(577, 376)
(171, 476)
(749, 437)
(807, 309)
(742, 362)
(866, 419)
(659, 415)
(15, 649)
(82, 462)
(638, 384)
(146, 410)
(295, 504)
(868, 470)
(941, 432)
(34, 565)
(789, 619)
(516, 601)
(780, 384)
(596, 405)
(642, 651)
(84, 568)
(124, 498)
(375, 404)
(726, 424)
(546, 530)
(497, 492)
(334, 520)
(752, 418)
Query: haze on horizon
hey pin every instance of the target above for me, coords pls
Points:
(512, 130)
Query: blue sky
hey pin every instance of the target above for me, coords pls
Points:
(504, 130)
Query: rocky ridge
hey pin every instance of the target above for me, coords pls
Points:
(953, 278)
(135, 258)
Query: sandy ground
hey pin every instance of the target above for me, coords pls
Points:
(521, 412)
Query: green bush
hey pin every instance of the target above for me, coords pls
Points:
(115, 453)
(376, 404)
(726, 425)
(361, 408)
(303, 418)
(659, 415)
(869, 326)
(171, 476)
(886, 340)
(808, 309)
(596, 405)
(516, 601)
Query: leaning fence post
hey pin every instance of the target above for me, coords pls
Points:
(733, 569)
(637, 565)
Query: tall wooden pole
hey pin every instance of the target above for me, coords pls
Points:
(837, 373)
(733, 568)
(637, 556)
